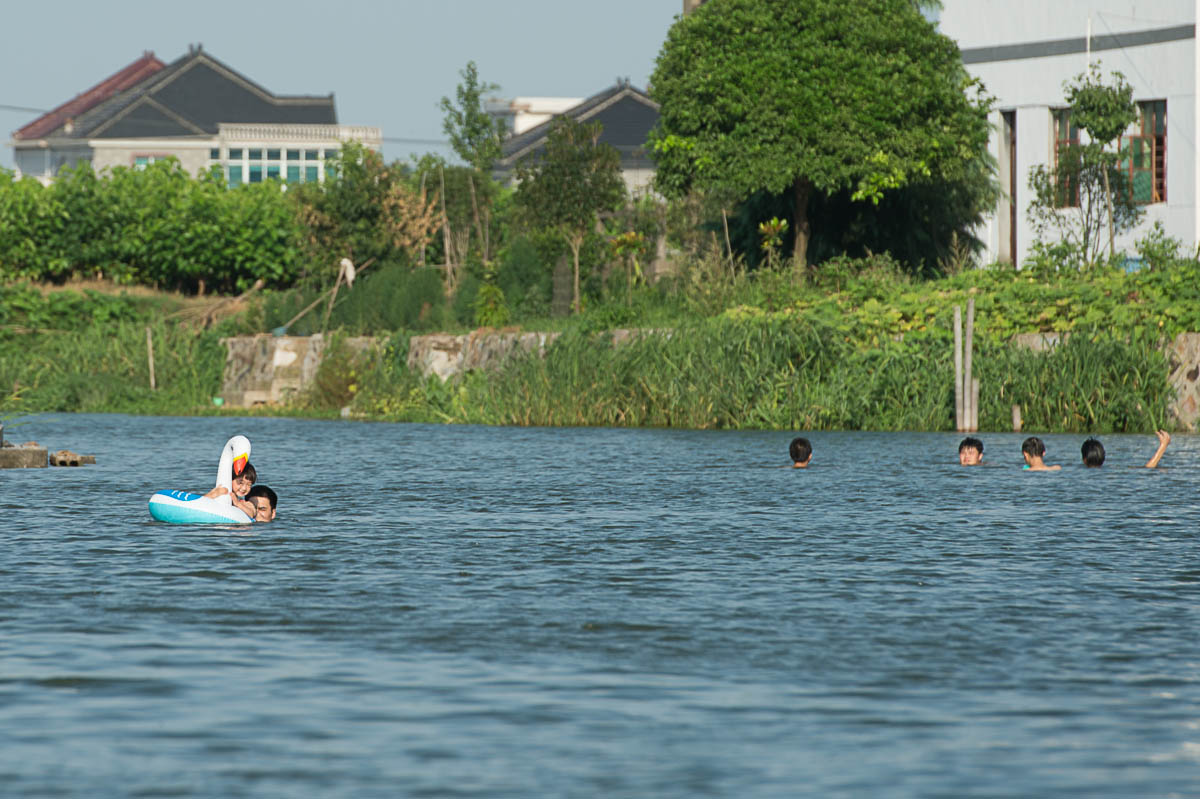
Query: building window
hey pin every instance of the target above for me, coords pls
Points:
(1066, 137)
(312, 174)
(142, 161)
(235, 174)
(1144, 154)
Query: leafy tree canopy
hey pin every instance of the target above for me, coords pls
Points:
(574, 178)
(807, 95)
(474, 135)
(1104, 110)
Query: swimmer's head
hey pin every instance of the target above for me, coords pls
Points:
(800, 451)
(1093, 453)
(970, 451)
(1033, 447)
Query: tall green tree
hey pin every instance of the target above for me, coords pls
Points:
(474, 134)
(575, 178)
(1104, 110)
(812, 96)
(475, 137)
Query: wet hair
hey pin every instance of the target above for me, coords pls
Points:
(1033, 447)
(971, 442)
(249, 472)
(800, 450)
(264, 491)
(1093, 453)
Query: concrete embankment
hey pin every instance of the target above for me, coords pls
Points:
(270, 369)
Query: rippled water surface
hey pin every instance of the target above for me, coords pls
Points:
(495, 612)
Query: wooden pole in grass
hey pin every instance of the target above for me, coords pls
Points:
(150, 357)
(972, 415)
(958, 375)
(974, 404)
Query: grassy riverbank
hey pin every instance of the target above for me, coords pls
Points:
(855, 345)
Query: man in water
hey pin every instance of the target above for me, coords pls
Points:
(801, 452)
(1093, 451)
(970, 451)
(264, 501)
(1034, 452)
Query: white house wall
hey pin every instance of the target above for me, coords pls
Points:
(1032, 86)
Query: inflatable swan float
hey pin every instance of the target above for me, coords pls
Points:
(181, 507)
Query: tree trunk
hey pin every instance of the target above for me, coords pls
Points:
(483, 239)
(1108, 198)
(803, 188)
(576, 244)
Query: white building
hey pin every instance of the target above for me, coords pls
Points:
(197, 110)
(1025, 50)
(522, 113)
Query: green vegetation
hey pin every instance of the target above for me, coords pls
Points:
(820, 97)
(731, 335)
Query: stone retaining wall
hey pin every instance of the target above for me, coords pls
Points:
(446, 356)
(1183, 357)
(266, 369)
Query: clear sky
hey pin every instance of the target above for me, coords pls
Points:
(388, 62)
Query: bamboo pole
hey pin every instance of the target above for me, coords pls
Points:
(150, 357)
(958, 375)
(1016, 418)
(970, 417)
(974, 404)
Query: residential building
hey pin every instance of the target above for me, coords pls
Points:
(196, 109)
(522, 113)
(1024, 51)
(626, 115)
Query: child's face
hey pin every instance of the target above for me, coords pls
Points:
(241, 485)
(969, 456)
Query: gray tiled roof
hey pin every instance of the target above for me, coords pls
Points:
(190, 97)
(625, 113)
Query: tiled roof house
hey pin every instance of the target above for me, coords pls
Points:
(196, 109)
(626, 115)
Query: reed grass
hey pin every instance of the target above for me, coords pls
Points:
(792, 374)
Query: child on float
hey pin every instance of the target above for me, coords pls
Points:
(242, 484)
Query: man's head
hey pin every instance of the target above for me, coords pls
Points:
(970, 451)
(242, 482)
(1033, 448)
(1093, 453)
(800, 451)
(264, 500)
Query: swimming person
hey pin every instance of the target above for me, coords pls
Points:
(1034, 452)
(264, 501)
(1164, 438)
(1093, 451)
(801, 453)
(970, 451)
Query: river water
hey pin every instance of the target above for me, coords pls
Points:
(499, 612)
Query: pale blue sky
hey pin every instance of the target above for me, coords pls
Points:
(388, 63)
